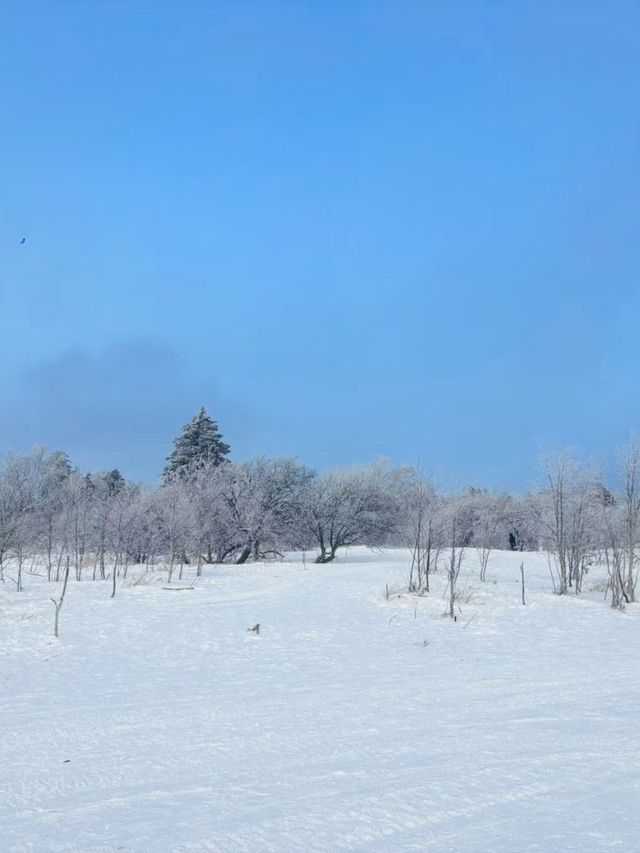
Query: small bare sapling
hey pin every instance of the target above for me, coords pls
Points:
(58, 604)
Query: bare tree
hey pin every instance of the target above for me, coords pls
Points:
(522, 527)
(51, 527)
(57, 603)
(79, 507)
(263, 500)
(123, 515)
(489, 515)
(629, 461)
(566, 510)
(352, 506)
(615, 552)
(455, 542)
(18, 501)
(206, 510)
(170, 508)
(425, 534)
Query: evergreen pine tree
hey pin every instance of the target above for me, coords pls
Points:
(114, 482)
(200, 441)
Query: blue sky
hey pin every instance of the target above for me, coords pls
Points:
(348, 229)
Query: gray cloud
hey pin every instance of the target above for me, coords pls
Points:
(120, 406)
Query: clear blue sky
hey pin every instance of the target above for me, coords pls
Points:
(347, 228)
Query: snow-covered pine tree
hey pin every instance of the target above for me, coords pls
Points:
(200, 441)
(114, 482)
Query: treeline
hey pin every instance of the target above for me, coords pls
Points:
(231, 512)
(210, 510)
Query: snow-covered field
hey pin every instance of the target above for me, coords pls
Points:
(158, 723)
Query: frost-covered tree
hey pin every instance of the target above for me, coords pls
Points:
(424, 532)
(629, 464)
(19, 478)
(263, 500)
(51, 529)
(621, 518)
(352, 506)
(108, 489)
(122, 518)
(79, 511)
(456, 537)
(488, 517)
(522, 527)
(170, 511)
(199, 442)
(567, 510)
(114, 482)
(205, 503)
(615, 555)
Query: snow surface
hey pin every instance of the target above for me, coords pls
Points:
(158, 723)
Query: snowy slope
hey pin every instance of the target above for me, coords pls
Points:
(158, 723)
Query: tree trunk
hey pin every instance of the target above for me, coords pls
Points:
(324, 557)
(244, 555)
